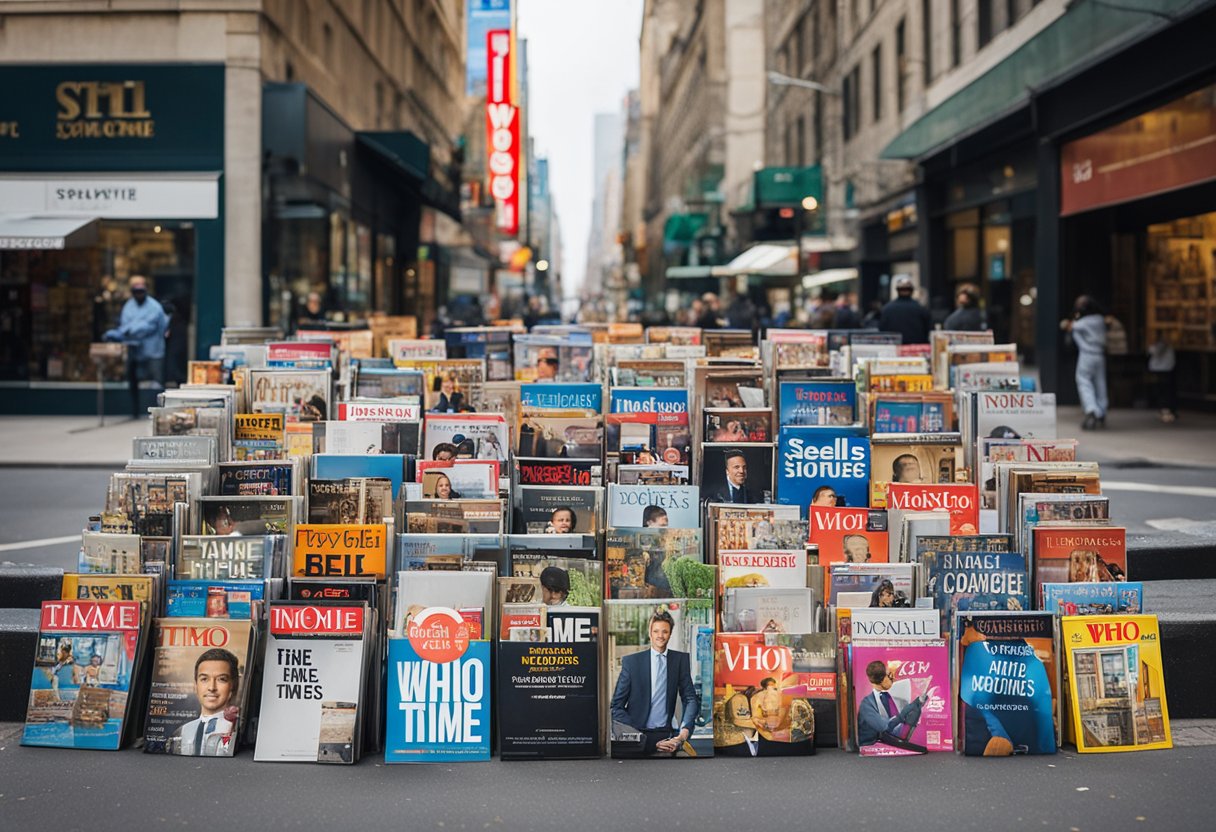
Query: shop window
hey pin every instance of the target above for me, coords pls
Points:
(1181, 271)
(55, 303)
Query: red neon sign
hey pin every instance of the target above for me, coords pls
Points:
(502, 132)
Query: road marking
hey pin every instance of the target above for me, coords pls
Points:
(1183, 490)
(38, 544)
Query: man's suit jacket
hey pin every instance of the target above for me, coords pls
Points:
(631, 700)
(872, 722)
(723, 496)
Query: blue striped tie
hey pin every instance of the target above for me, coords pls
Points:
(658, 696)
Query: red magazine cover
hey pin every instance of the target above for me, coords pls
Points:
(1079, 554)
(960, 499)
(851, 535)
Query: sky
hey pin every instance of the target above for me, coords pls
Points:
(582, 60)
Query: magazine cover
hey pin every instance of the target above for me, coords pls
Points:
(1120, 597)
(901, 693)
(300, 395)
(208, 557)
(213, 599)
(643, 563)
(273, 478)
(1010, 415)
(975, 582)
(685, 629)
(83, 666)
(816, 464)
(564, 581)
(729, 424)
(814, 662)
(352, 500)
(466, 436)
(743, 387)
(545, 509)
(112, 554)
(761, 609)
(852, 535)
(1008, 683)
(199, 686)
(914, 460)
(550, 396)
(555, 437)
(818, 403)
(1079, 554)
(548, 693)
(324, 550)
(753, 527)
(246, 515)
(912, 413)
(763, 707)
(312, 683)
(1116, 685)
(639, 506)
(737, 473)
(400, 385)
(548, 358)
(439, 692)
(959, 499)
(885, 584)
(456, 479)
(762, 567)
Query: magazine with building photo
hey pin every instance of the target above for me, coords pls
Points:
(543, 471)
(300, 395)
(816, 402)
(1074, 553)
(741, 474)
(815, 464)
(461, 517)
(544, 509)
(914, 413)
(258, 436)
(559, 436)
(142, 503)
(564, 581)
(352, 500)
(466, 436)
(852, 535)
(901, 697)
(312, 690)
(1116, 683)
(729, 424)
(638, 506)
(456, 479)
(247, 515)
(85, 660)
(1107, 598)
(1009, 684)
(644, 563)
(627, 624)
(200, 686)
(914, 458)
(110, 554)
(762, 706)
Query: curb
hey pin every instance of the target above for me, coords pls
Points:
(91, 464)
(1166, 556)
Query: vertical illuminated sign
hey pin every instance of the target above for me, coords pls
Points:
(502, 132)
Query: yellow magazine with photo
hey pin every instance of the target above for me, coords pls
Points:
(1116, 684)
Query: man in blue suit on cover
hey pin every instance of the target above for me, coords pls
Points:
(883, 718)
(645, 696)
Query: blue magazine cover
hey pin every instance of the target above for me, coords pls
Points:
(569, 396)
(1100, 598)
(1008, 683)
(831, 462)
(821, 403)
(648, 400)
(212, 599)
(976, 582)
(343, 466)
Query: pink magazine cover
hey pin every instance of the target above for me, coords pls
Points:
(902, 700)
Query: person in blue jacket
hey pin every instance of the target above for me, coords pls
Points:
(141, 326)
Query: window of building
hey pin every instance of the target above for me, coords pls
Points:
(876, 81)
(901, 62)
(846, 103)
(956, 34)
(851, 94)
(926, 38)
(818, 127)
(795, 46)
(809, 46)
(327, 44)
(985, 23)
(800, 140)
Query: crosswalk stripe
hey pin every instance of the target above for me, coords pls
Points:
(1182, 490)
(38, 544)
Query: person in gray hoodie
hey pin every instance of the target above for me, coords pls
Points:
(1088, 329)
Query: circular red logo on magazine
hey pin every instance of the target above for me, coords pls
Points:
(438, 634)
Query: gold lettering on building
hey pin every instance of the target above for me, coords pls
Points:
(103, 110)
(10, 130)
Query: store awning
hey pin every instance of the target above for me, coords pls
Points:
(828, 277)
(43, 233)
(1085, 32)
(767, 259)
(787, 187)
(410, 156)
(688, 272)
(683, 228)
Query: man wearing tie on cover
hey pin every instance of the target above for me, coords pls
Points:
(213, 734)
(645, 696)
(885, 718)
(736, 489)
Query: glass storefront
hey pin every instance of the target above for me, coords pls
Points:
(57, 302)
(1180, 304)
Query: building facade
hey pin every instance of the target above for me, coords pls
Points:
(238, 154)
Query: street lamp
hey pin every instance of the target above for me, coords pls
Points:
(542, 265)
(809, 203)
(781, 80)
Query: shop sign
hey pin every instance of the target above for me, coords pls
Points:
(127, 197)
(1164, 149)
(502, 132)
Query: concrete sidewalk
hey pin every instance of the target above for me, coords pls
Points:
(1140, 436)
(68, 441)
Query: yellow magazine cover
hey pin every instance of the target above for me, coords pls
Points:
(1116, 684)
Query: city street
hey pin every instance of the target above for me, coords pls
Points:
(833, 790)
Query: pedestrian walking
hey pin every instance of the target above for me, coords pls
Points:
(1088, 331)
(905, 315)
(712, 309)
(967, 315)
(1162, 364)
(141, 326)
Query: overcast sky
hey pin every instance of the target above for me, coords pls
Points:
(582, 59)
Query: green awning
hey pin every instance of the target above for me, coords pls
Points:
(683, 228)
(787, 187)
(402, 148)
(1084, 32)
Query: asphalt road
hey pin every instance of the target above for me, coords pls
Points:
(833, 790)
(41, 503)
